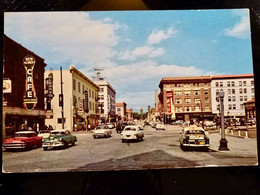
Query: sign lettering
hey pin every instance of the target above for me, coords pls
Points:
(86, 101)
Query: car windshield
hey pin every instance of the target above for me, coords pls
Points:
(44, 132)
(23, 135)
(130, 129)
(58, 133)
(194, 132)
(102, 127)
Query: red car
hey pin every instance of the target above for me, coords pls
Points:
(23, 140)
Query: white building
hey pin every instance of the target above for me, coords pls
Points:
(237, 88)
(80, 100)
(107, 101)
(121, 111)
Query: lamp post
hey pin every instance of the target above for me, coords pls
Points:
(223, 142)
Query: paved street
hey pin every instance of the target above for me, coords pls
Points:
(160, 149)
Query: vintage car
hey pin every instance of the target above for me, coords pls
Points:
(193, 136)
(23, 140)
(178, 122)
(59, 138)
(44, 133)
(110, 125)
(132, 133)
(102, 131)
(160, 126)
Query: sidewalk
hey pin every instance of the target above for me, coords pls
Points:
(246, 147)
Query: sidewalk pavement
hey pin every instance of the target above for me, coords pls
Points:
(246, 147)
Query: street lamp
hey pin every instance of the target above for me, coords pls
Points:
(223, 141)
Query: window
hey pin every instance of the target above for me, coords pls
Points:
(233, 98)
(74, 101)
(245, 98)
(244, 83)
(240, 90)
(60, 120)
(178, 85)
(101, 89)
(93, 94)
(83, 89)
(241, 106)
(252, 83)
(118, 109)
(253, 96)
(177, 101)
(229, 98)
(187, 92)
(229, 91)
(217, 91)
(216, 84)
(206, 100)
(218, 107)
(229, 106)
(177, 93)
(233, 91)
(241, 98)
(187, 100)
(233, 83)
(196, 92)
(252, 90)
(74, 84)
(206, 91)
(79, 86)
(178, 109)
(197, 108)
(206, 108)
(240, 83)
(228, 83)
(221, 84)
(187, 108)
(187, 85)
(89, 93)
(234, 106)
(245, 90)
(90, 104)
(196, 100)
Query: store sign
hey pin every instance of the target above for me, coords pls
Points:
(169, 95)
(50, 87)
(7, 86)
(86, 101)
(30, 99)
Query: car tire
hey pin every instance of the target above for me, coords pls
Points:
(65, 144)
(122, 140)
(94, 137)
(44, 148)
(73, 143)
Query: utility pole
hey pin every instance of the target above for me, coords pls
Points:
(61, 99)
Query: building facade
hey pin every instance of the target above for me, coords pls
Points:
(80, 100)
(107, 101)
(237, 88)
(185, 97)
(130, 114)
(23, 89)
(121, 111)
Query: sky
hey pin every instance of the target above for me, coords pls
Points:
(136, 49)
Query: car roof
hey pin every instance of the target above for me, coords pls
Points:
(61, 130)
(131, 126)
(193, 127)
(24, 132)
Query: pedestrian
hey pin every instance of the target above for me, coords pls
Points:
(88, 127)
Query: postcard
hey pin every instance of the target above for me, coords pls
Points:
(128, 90)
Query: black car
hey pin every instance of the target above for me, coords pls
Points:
(120, 127)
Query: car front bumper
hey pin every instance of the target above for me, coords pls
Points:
(52, 144)
(14, 145)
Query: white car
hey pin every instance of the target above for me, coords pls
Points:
(102, 131)
(140, 126)
(132, 133)
(44, 133)
(110, 126)
(160, 126)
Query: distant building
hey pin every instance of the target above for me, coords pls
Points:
(121, 111)
(22, 82)
(130, 114)
(80, 100)
(237, 88)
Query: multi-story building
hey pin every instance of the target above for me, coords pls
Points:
(130, 114)
(185, 97)
(23, 89)
(237, 88)
(107, 101)
(121, 111)
(80, 100)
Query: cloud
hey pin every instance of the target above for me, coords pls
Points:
(142, 51)
(241, 29)
(158, 36)
(64, 36)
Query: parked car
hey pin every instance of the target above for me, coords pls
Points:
(23, 140)
(102, 131)
(153, 125)
(44, 133)
(209, 123)
(178, 122)
(132, 133)
(193, 136)
(59, 138)
(160, 126)
(110, 125)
